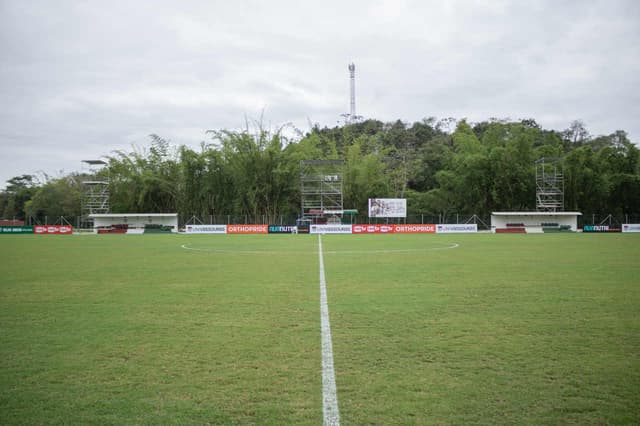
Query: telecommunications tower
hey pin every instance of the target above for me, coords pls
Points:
(352, 79)
(351, 117)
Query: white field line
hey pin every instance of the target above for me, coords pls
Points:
(208, 250)
(388, 251)
(383, 251)
(330, 412)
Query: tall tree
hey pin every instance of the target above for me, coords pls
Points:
(56, 198)
(19, 191)
(145, 180)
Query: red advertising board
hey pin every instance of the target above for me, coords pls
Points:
(11, 222)
(247, 229)
(415, 229)
(372, 229)
(53, 229)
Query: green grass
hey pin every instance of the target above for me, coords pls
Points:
(504, 329)
(134, 329)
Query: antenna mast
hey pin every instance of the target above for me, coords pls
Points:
(352, 77)
(351, 117)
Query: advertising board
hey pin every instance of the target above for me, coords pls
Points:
(415, 229)
(387, 207)
(11, 222)
(53, 229)
(601, 228)
(247, 229)
(631, 227)
(330, 229)
(16, 229)
(372, 229)
(283, 229)
(206, 229)
(457, 228)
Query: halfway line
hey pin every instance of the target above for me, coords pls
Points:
(329, 395)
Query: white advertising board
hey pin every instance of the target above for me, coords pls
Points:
(206, 229)
(457, 228)
(387, 207)
(330, 229)
(631, 227)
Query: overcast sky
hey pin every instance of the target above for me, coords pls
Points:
(79, 79)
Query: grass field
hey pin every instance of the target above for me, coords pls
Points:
(427, 329)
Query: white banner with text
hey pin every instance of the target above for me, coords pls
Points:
(206, 229)
(330, 229)
(464, 228)
(631, 227)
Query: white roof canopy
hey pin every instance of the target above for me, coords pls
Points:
(536, 213)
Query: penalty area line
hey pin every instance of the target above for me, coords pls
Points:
(330, 413)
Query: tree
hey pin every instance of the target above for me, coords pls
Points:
(619, 162)
(56, 198)
(145, 180)
(441, 167)
(585, 185)
(364, 177)
(19, 191)
(260, 171)
(577, 133)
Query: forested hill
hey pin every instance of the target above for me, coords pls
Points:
(444, 166)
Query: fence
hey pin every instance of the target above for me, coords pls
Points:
(483, 222)
(607, 219)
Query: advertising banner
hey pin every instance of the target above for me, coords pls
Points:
(372, 229)
(457, 229)
(16, 229)
(247, 229)
(330, 229)
(601, 228)
(53, 229)
(283, 229)
(387, 207)
(631, 227)
(415, 229)
(11, 222)
(206, 229)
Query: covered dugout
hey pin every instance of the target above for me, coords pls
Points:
(134, 223)
(534, 222)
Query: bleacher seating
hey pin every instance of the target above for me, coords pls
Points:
(120, 228)
(156, 228)
(511, 230)
(554, 227)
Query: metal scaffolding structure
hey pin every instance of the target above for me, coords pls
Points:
(95, 191)
(549, 185)
(321, 188)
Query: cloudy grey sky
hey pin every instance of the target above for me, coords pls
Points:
(79, 79)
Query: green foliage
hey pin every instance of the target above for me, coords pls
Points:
(58, 197)
(442, 167)
(19, 191)
(259, 171)
(364, 176)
